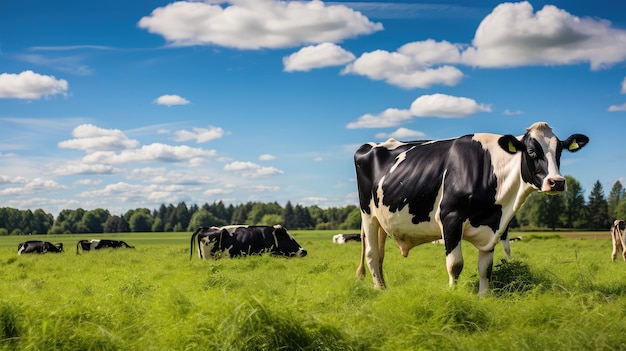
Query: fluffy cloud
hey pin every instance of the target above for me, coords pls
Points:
(171, 100)
(415, 65)
(33, 186)
(401, 133)
(255, 24)
(389, 118)
(514, 35)
(201, 135)
(30, 85)
(318, 56)
(155, 152)
(446, 106)
(267, 157)
(251, 170)
(436, 105)
(623, 91)
(89, 137)
(617, 108)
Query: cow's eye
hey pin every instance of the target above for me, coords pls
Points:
(532, 153)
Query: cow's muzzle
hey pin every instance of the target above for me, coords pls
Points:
(554, 185)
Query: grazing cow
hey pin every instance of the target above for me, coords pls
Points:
(463, 188)
(343, 238)
(238, 240)
(618, 236)
(35, 246)
(97, 244)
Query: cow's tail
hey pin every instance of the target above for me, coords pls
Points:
(360, 271)
(193, 236)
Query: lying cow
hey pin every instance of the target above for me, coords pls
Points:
(35, 246)
(238, 240)
(461, 188)
(618, 235)
(97, 244)
(343, 238)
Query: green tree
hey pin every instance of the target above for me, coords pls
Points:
(204, 218)
(615, 197)
(598, 208)
(353, 220)
(94, 220)
(574, 212)
(271, 219)
(141, 220)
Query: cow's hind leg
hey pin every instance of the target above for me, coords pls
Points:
(372, 253)
(485, 266)
(454, 263)
(360, 271)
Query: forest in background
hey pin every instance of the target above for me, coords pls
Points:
(568, 210)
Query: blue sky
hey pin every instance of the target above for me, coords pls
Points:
(127, 104)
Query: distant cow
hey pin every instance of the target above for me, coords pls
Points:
(465, 188)
(343, 238)
(97, 244)
(618, 236)
(35, 246)
(238, 240)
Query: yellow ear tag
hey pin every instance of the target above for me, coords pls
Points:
(512, 148)
(573, 146)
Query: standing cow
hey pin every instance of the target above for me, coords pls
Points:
(618, 236)
(35, 246)
(237, 240)
(463, 188)
(97, 244)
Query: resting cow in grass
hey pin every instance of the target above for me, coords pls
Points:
(462, 188)
(36, 246)
(238, 240)
(618, 236)
(97, 244)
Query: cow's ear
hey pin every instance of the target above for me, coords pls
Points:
(510, 144)
(575, 142)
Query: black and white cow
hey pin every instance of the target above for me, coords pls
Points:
(343, 238)
(35, 246)
(97, 244)
(238, 240)
(463, 188)
(618, 236)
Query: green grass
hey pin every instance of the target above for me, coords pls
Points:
(555, 294)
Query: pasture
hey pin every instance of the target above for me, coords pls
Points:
(558, 293)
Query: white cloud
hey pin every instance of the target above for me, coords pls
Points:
(254, 24)
(415, 65)
(267, 157)
(446, 106)
(617, 108)
(318, 56)
(262, 188)
(201, 135)
(84, 168)
(33, 186)
(251, 170)
(389, 118)
(88, 181)
(171, 100)
(30, 85)
(401, 133)
(224, 190)
(155, 152)
(514, 35)
(508, 112)
(436, 105)
(89, 137)
(623, 91)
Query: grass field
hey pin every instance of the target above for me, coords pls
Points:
(558, 293)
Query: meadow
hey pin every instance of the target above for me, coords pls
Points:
(557, 293)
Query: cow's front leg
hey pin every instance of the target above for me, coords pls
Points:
(485, 265)
(454, 263)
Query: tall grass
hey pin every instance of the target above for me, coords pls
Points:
(555, 294)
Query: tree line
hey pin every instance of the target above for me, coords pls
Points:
(568, 210)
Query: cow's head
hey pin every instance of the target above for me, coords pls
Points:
(59, 247)
(285, 244)
(541, 155)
